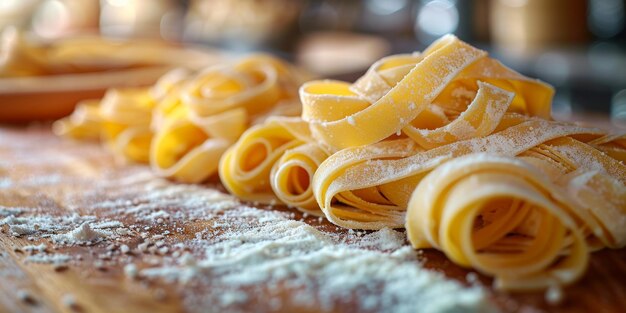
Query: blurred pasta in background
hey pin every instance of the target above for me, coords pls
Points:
(185, 122)
(575, 52)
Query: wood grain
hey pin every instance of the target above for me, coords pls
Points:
(106, 289)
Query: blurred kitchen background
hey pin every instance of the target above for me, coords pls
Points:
(579, 46)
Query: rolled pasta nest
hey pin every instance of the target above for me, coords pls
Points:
(449, 143)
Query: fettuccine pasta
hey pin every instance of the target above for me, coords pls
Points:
(417, 95)
(449, 143)
(22, 56)
(508, 219)
(122, 118)
(274, 162)
(291, 176)
(212, 109)
(186, 121)
(461, 150)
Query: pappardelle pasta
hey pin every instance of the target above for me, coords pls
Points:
(448, 143)
(185, 122)
(462, 152)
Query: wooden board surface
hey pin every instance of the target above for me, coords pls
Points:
(54, 176)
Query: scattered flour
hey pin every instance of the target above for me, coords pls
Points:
(240, 259)
(35, 248)
(55, 259)
(265, 250)
(130, 270)
(5, 182)
(107, 224)
(69, 229)
(69, 301)
(25, 296)
(44, 225)
(244, 254)
(82, 233)
(462, 92)
(461, 128)
(124, 249)
(351, 120)
(6, 211)
(554, 295)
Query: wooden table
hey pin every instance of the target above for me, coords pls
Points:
(31, 158)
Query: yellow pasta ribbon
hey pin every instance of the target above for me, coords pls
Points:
(372, 176)
(245, 168)
(502, 217)
(527, 221)
(183, 124)
(417, 95)
(122, 118)
(167, 91)
(22, 56)
(291, 176)
(449, 143)
(256, 84)
(126, 116)
(483, 174)
(84, 123)
(188, 149)
(209, 111)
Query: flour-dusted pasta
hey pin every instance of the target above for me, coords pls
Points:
(188, 149)
(418, 95)
(126, 116)
(183, 124)
(122, 118)
(212, 109)
(83, 124)
(25, 55)
(446, 87)
(500, 216)
(273, 162)
(449, 143)
(373, 177)
(484, 176)
(291, 176)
